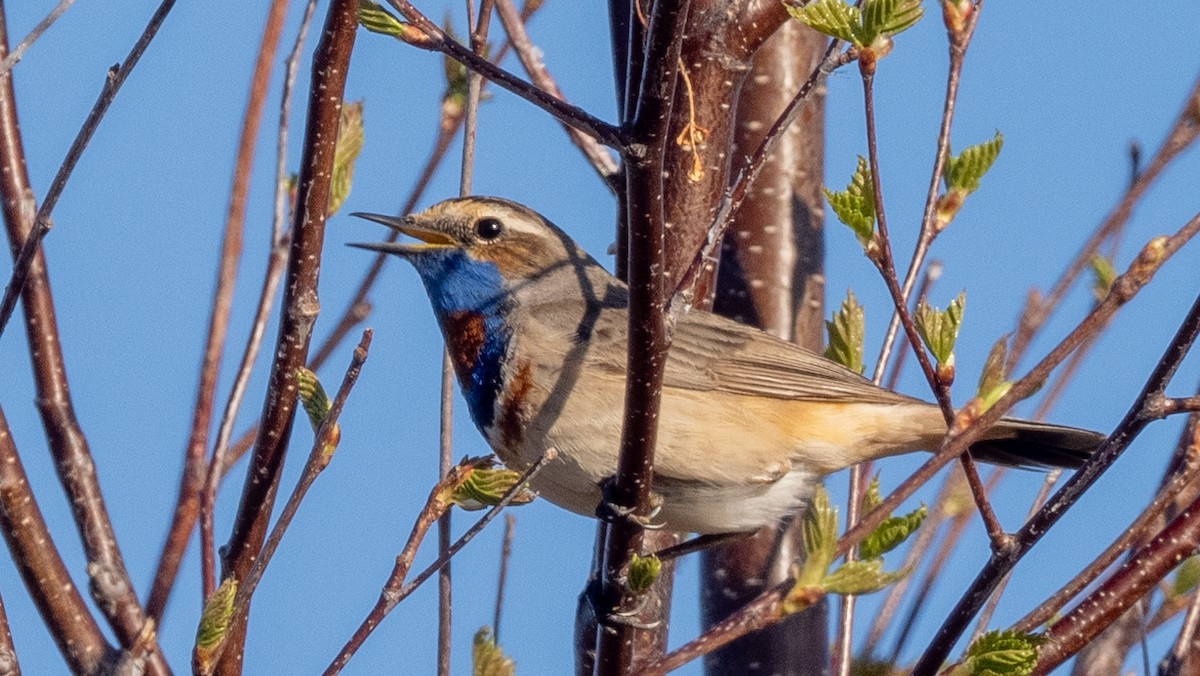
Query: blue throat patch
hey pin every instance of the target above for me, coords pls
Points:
(468, 299)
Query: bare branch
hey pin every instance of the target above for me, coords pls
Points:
(110, 585)
(37, 560)
(300, 305)
(41, 223)
(192, 477)
(437, 40)
(26, 42)
(395, 590)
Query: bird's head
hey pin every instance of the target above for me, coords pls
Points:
(480, 235)
(472, 250)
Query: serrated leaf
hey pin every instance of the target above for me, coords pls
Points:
(214, 623)
(1187, 575)
(487, 659)
(643, 571)
(834, 18)
(484, 487)
(871, 497)
(888, 17)
(1001, 653)
(846, 332)
(891, 533)
(375, 18)
(939, 328)
(855, 206)
(1104, 273)
(820, 538)
(860, 577)
(349, 145)
(964, 171)
(312, 397)
(316, 405)
(992, 381)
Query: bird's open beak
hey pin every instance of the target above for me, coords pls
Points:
(430, 239)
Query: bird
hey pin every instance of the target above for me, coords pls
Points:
(748, 423)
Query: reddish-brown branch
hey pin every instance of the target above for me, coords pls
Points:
(8, 653)
(319, 457)
(110, 585)
(395, 589)
(1135, 420)
(435, 39)
(771, 276)
(757, 613)
(192, 477)
(531, 59)
(1128, 584)
(1136, 530)
(1183, 133)
(629, 494)
(62, 608)
(41, 223)
(299, 308)
(26, 42)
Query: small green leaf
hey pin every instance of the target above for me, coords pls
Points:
(939, 329)
(855, 206)
(834, 18)
(1001, 653)
(891, 533)
(992, 381)
(214, 623)
(846, 334)
(313, 397)
(820, 538)
(643, 571)
(1103, 269)
(1187, 575)
(375, 18)
(964, 171)
(484, 487)
(349, 145)
(871, 497)
(860, 577)
(487, 658)
(888, 18)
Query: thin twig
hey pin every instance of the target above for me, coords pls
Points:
(66, 615)
(683, 295)
(109, 582)
(1183, 649)
(395, 589)
(299, 307)
(1135, 420)
(763, 611)
(435, 39)
(649, 337)
(1183, 133)
(510, 525)
(942, 510)
(19, 51)
(318, 459)
(8, 653)
(192, 477)
(41, 223)
(531, 59)
(1136, 530)
(276, 259)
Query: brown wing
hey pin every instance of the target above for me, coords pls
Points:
(709, 352)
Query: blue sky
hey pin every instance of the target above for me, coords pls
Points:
(137, 230)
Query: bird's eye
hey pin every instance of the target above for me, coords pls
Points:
(488, 228)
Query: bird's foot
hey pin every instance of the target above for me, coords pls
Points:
(609, 511)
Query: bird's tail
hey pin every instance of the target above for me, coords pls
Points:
(1023, 443)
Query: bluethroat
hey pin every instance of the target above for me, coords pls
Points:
(536, 329)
